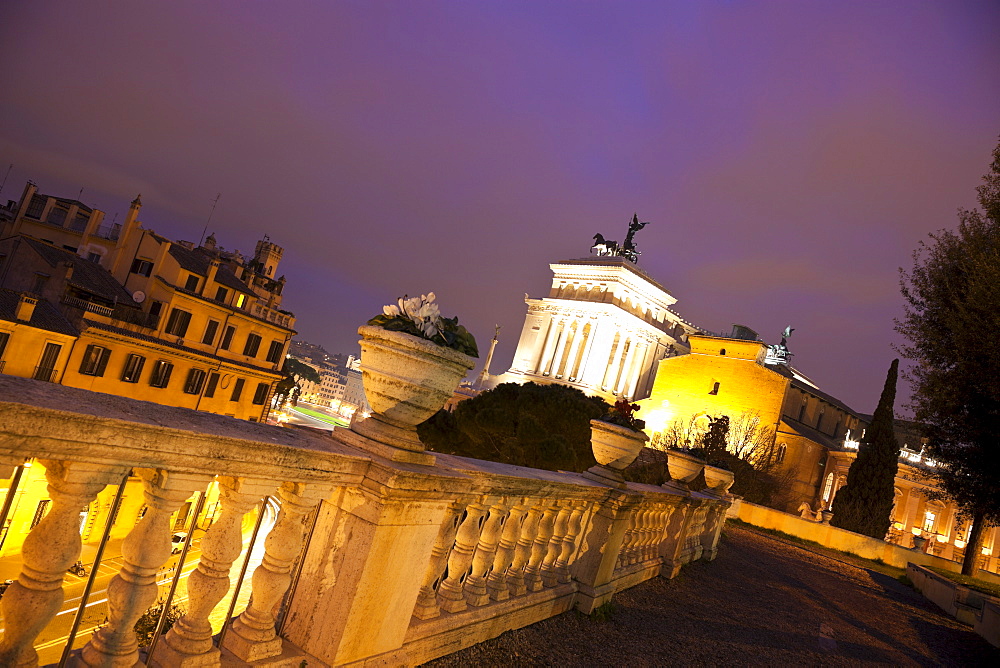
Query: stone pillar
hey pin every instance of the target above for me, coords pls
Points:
(522, 551)
(585, 373)
(550, 577)
(252, 636)
(579, 338)
(636, 368)
(714, 522)
(555, 328)
(672, 545)
(539, 548)
(146, 548)
(365, 564)
(189, 642)
(451, 593)
(595, 567)
(626, 368)
(51, 547)
(611, 369)
(564, 334)
(496, 583)
(427, 605)
(475, 585)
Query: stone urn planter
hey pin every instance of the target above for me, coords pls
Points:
(826, 516)
(407, 379)
(919, 542)
(615, 447)
(718, 480)
(684, 468)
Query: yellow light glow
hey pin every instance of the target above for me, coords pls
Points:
(941, 538)
(959, 543)
(898, 526)
(987, 551)
(915, 531)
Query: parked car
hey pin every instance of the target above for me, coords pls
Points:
(177, 542)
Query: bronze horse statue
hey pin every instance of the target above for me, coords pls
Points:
(603, 246)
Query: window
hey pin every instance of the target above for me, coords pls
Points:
(722, 352)
(57, 216)
(46, 368)
(79, 223)
(192, 283)
(240, 300)
(133, 368)
(274, 351)
(161, 374)
(227, 337)
(237, 390)
(94, 257)
(715, 388)
(221, 294)
(252, 345)
(95, 360)
(178, 322)
(929, 519)
(195, 379)
(155, 308)
(40, 511)
(4, 338)
(210, 330)
(213, 382)
(39, 284)
(142, 267)
(782, 449)
(260, 395)
(36, 207)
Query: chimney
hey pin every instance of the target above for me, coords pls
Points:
(69, 271)
(25, 307)
(213, 269)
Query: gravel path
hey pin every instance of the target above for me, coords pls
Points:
(761, 602)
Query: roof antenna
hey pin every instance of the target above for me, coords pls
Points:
(209, 218)
(10, 167)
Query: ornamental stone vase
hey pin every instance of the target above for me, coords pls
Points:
(406, 379)
(615, 447)
(718, 480)
(684, 468)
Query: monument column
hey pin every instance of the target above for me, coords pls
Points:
(557, 358)
(555, 329)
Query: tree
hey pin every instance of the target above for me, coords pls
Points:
(950, 323)
(295, 373)
(864, 504)
(540, 426)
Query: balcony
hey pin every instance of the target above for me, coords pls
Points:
(122, 314)
(367, 559)
(272, 315)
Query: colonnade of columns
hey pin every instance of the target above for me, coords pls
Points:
(581, 350)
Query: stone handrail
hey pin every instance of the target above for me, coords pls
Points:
(369, 560)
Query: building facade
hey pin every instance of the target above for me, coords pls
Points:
(122, 310)
(603, 328)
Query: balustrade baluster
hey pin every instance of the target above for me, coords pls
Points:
(252, 636)
(645, 516)
(522, 552)
(451, 591)
(539, 547)
(496, 583)
(629, 539)
(662, 519)
(145, 549)
(561, 525)
(48, 550)
(569, 543)
(427, 605)
(482, 561)
(189, 642)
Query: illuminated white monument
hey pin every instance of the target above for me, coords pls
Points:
(603, 328)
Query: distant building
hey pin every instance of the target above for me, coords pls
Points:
(816, 435)
(603, 328)
(122, 310)
(341, 388)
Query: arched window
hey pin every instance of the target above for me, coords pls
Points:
(782, 449)
(722, 352)
(827, 489)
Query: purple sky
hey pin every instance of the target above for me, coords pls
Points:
(789, 155)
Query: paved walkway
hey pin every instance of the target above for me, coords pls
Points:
(761, 602)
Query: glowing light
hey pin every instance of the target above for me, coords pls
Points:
(941, 538)
(959, 543)
(987, 551)
(915, 531)
(850, 443)
(898, 526)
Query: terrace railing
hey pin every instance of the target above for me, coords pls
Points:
(368, 560)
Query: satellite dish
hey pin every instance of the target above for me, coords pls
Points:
(139, 296)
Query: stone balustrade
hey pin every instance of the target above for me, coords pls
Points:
(369, 560)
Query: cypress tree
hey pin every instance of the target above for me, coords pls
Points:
(864, 504)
